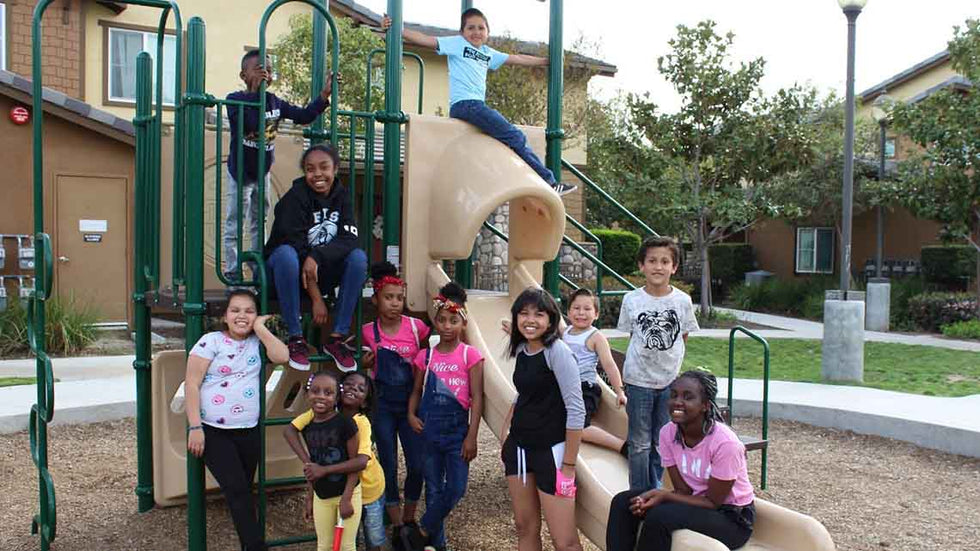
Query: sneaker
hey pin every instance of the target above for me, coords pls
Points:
(341, 354)
(299, 354)
(411, 536)
(563, 189)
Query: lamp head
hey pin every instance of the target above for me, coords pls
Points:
(852, 5)
(881, 108)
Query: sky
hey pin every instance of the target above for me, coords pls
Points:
(802, 41)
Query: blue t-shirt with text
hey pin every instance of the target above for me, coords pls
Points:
(468, 67)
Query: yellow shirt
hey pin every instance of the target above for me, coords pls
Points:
(372, 478)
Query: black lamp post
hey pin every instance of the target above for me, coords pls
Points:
(880, 110)
(852, 8)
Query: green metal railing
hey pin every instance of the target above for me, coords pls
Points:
(765, 390)
(413, 55)
(608, 198)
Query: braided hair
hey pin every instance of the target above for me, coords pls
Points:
(709, 394)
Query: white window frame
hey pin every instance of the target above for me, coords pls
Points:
(149, 46)
(3, 36)
(815, 254)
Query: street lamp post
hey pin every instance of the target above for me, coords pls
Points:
(852, 8)
(878, 299)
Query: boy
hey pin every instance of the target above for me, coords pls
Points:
(252, 74)
(654, 315)
(469, 59)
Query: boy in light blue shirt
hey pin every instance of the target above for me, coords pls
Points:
(469, 59)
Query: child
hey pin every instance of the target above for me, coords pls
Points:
(706, 462)
(222, 404)
(654, 315)
(590, 347)
(545, 425)
(445, 408)
(357, 393)
(469, 58)
(314, 244)
(252, 74)
(393, 341)
(331, 463)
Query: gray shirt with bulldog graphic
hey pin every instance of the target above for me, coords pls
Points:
(656, 326)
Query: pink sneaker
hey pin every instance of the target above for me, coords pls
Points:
(299, 354)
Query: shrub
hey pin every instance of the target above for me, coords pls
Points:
(951, 265)
(930, 311)
(902, 290)
(795, 297)
(730, 261)
(715, 319)
(619, 249)
(963, 330)
(70, 327)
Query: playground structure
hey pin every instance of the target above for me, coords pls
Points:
(437, 172)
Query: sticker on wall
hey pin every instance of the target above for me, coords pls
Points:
(92, 226)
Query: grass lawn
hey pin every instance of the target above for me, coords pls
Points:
(901, 367)
(14, 381)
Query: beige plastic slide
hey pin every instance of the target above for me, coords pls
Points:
(455, 176)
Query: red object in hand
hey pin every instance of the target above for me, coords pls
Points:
(338, 532)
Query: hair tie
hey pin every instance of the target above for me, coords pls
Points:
(443, 303)
(387, 280)
(310, 380)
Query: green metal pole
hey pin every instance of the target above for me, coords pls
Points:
(391, 199)
(194, 307)
(463, 273)
(553, 131)
(317, 67)
(466, 4)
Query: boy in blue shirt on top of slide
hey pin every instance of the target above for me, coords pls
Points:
(469, 59)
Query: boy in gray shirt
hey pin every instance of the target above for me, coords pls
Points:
(658, 318)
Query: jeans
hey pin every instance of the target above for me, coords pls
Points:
(232, 455)
(250, 225)
(391, 425)
(646, 409)
(373, 521)
(492, 123)
(284, 270)
(660, 522)
(446, 473)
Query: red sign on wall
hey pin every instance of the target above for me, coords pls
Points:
(20, 115)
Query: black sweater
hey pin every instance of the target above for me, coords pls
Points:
(321, 226)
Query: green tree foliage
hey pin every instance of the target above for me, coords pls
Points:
(294, 52)
(942, 180)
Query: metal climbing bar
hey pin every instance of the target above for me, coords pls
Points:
(413, 55)
(608, 198)
(765, 390)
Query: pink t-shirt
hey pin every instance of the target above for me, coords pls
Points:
(452, 370)
(405, 343)
(720, 455)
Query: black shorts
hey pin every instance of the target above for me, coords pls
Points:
(591, 395)
(539, 462)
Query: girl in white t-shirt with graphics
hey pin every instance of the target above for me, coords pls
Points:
(221, 391)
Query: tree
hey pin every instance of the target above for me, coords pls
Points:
(941, 182)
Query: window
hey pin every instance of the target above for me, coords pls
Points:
(3, 36)
(890, 148)
(124, 45)
(815, 250)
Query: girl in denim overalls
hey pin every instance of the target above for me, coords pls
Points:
(445, 408)
(394, 340)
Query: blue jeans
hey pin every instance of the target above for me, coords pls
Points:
(492, 123)
(648, 413)
(283, 268)
(391, 425)
(250, 224)
(446, 473)
(373, 522)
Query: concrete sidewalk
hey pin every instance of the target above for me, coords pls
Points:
(73, 369)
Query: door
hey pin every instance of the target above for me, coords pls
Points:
(91, 246)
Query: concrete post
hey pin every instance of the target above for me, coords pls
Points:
(843, 337)
(878, 304)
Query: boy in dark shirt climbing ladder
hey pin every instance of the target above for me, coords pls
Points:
(252, 74)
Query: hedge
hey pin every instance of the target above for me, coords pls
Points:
(730, 261)
(619, 249)
(931, 311)
(949, 265)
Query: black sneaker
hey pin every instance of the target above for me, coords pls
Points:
(563, 189)
(411, 537)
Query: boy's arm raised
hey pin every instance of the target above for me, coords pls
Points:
(524, 60)
(415, 38)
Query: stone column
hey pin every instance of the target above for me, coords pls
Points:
(843, 337)
(879, 304)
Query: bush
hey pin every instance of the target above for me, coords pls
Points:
(619, 249)
(951, 265)
(730, 261)
(794, 297)
(902, 290)
(930, 311)
(70, 327)
(963, 330)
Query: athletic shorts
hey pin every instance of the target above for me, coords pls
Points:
(591, 395)
(543, 463)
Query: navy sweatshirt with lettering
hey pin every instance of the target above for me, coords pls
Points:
(276, 109)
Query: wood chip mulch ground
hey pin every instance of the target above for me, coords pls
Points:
(872, 493)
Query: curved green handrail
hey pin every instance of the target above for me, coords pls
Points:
(413, 55)
(765, 388)
(608, 198)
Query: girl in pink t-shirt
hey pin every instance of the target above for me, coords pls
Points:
(394, 340)
(445, 408)
(706, 463)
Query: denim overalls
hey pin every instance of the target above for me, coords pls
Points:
(445, 426)
(393, 381)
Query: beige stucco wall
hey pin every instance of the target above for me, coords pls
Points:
(922, 82)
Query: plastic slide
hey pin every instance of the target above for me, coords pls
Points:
(455, 177)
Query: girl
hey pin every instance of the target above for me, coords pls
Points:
(222, 401)
(706, 462)
(357, 393)
(331, 463)
(469, 58)
(313, 246)
(545, 422)
(445, 408)
(590, 347)
(393, 341)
